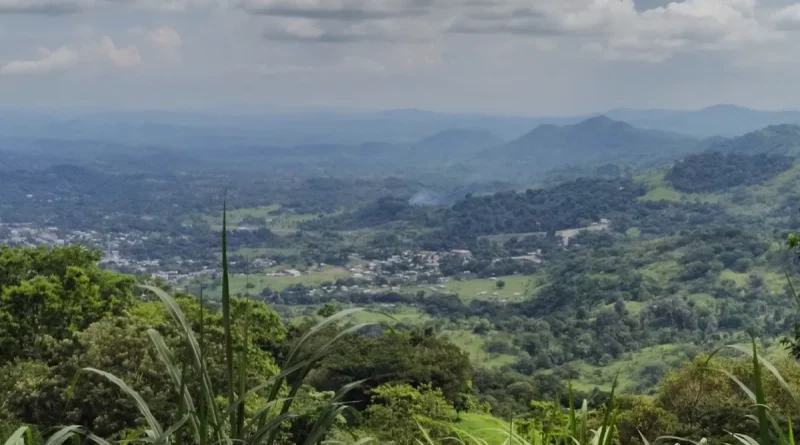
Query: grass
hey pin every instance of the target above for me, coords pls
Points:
(737, 277)
(628, 368)
(633, 232)
(280, 223)
(773, 281)
(484, 426)
(401, 314)
(517, 288)
(662, 271)
(261, 252)
(661, 194)
(238, 282)
(473, 345)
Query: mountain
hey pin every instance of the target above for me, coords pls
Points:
(774, 139)
(454, 143)
(718, 120)
(598, 139)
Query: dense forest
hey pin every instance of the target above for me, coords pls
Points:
(716, 171)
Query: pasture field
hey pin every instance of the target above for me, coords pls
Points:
(281, 223)
(473, 345)
(516, 288)
(259, 282)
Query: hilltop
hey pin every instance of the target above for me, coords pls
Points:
(598, 139)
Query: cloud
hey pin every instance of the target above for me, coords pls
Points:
(348, 65)
(120, 57)
(63, 7)
(104, 50)
(166, 38)
(44, 7)
(334, 31)
(48, 61)
(340, 10)
(616, 29)
(787, 18)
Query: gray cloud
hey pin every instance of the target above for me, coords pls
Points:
(43, 7)
(617, 28)
(339, 10)
(527, 56)
(48, 61)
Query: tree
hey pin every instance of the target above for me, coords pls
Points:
(643, 414)
(122, 346)
(398, 411)
(416, 358)
(52, 294)
(500, 284)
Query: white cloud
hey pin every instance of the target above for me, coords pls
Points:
(617, 30)
(787, 18)
(48, 61)
(347, 65)
(68, 56)
(166, 38)
(121, 57)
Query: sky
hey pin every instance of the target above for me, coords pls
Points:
(533, 57)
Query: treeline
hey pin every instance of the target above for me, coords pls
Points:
(710, 172)
(573, 204)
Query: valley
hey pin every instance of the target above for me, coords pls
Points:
(582, 255)
(658, 263)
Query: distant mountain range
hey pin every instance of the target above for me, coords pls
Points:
(190, 129)
(407, 143)
(775, 139)
(718, 120)
(593, 141)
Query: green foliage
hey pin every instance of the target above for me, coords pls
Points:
(396, 410)
(710, 172)
(417, 358)
(643, 415)
(49, 295)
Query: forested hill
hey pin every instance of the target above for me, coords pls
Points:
(567, 205)
(597, 139)
(775, 139)
(709, 172)
(454, 144)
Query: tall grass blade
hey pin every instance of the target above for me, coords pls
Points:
(792, 289)
(141, 405)
(203, 414)
(290, 361)
(584, 430)
(168, 359)
(573, 422)
(74, 432)
(226, 316)
(609, 417)
(644, 439)
(323, 423)
(774, 371)
(207, 392)
(165, 438)
(761, 409)
(18, 437)
(270, 427)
